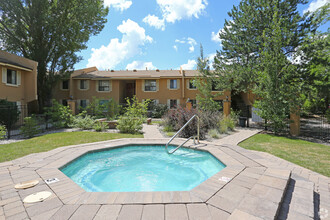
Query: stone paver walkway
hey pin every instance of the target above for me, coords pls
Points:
(151, 131)
(254, 185)
(238, 136)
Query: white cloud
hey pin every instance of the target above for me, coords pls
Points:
(215, 36)
(313, 6)
(190, 41)
(180, 41)
(140, 65)
(192, 44)
(107, 57)
(175, 48)
(190, 65)
(154, 21)
(176, 10)
(118, 4)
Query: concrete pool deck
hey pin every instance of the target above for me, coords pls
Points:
(254, 185)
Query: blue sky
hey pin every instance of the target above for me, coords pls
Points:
(160, 34)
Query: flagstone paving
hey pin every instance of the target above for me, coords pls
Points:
(254, 185)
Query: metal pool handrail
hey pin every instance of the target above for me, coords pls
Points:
(177, 133)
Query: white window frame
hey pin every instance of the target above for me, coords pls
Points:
(150, 80)
(189, 82)
(176, 83)
(87, 84)
(5, 77)
(169, 103)
(98, 86)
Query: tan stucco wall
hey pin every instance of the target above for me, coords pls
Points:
(24, 93)
(118, 87)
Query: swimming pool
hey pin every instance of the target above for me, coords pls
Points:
(142, 168)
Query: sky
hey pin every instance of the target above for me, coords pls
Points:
(160, 34)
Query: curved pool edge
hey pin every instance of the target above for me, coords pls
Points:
(71, 193)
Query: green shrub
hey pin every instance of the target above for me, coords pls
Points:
(176, 118)
(100, 108)
(9, 114)
(134, 116)
(168, 128)
(83, 121)
(213, 133)
(60, 115)
(3, 132)
(223, 127)
(327, 114)
(30, 127)
(100, 126)
(159, 110)
(226, 123)
(131, 125)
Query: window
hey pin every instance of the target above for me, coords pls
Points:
(83, 103)
(83, 84)
(214, 87)
(152, 104)
(192, 84)
(103, 102)
(173, 84)
(150, 85)
(65, 84)
(104, 85)
(64, 102)
(173, 103)
(11, 77)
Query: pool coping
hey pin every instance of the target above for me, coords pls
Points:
(71, 193)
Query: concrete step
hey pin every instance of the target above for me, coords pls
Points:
(298, 202)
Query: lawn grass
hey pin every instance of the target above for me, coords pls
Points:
(51, 141)
(310, 155)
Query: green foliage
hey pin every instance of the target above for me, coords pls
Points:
(204, 83)
(134, 116)
(327, 115)
(3, 132)
(100, 126)
(9, 113)
(83, 121)
(277, 83)
(135, 108)
(130, 125)
(168, 128)
(176, 118)
(50, 32)
(315, 58)
(213, 133)
(159, 110)
(226, 123)
(60, 115)
(108, 109)
(242, 40)
(30, 127)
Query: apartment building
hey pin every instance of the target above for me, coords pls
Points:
(170, 87)
(18, 81)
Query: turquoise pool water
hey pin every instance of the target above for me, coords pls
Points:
(142, 168)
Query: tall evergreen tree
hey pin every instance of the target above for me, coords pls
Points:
(49, 32)
(258, 46)
(242, 41)
(204, 83)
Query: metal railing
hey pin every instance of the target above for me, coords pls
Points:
(177, 133)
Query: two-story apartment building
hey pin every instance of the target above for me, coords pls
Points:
(18, 80)
(170, 87)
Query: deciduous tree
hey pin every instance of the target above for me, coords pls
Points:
(49, 32)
